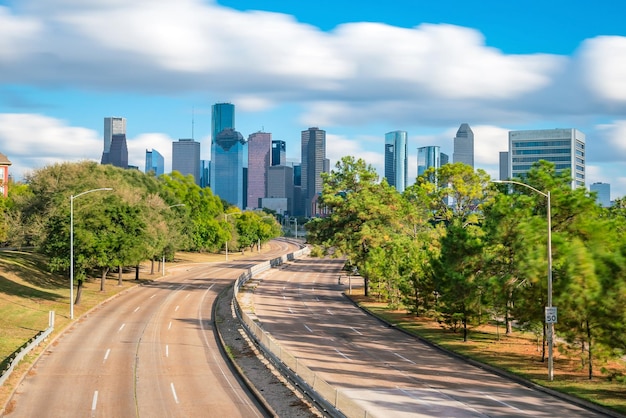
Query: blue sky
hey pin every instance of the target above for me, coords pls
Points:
(354, 69)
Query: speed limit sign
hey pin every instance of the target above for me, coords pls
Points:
(551, 315)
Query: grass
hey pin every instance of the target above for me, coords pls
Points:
(518, 353)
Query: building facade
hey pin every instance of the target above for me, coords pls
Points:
(280, 189)
(115, 150)
(563, 147)
(222, 117)
(259, 159)
(313, 164)
(113, 126)
(4, 174)
(428, 157)
(229, 167)
(464, 146)
(155, 163)
(396, 159)
(504, 165)
(186, 158)
(603, 193)
(279, 153)
(205, 173)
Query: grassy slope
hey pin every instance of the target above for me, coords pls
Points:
(519, 354)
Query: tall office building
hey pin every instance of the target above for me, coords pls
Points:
(444, 158)
(229, 167)
(396, 159)
(222, 117)
(464, 146)
(603, 193)
(259, 156)
(205, 173)
(279, 153)
(280, 189)
(155, 163)
(504, 165)
(563, 147)
(186, 158)
(428, 157)
(115, 151)
(314, 163)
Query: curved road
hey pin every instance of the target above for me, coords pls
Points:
(387, 372)
(151, 352)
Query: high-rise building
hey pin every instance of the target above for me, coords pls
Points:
(444, 158)
(428, 157)
(396, 159)
(603, 193)
(504, 165)
(4, 174)
(280, 189)
(259, 156)
(563, 147)
(115, 151)
(155, 162)
(222, 117)
(279, 152)
(314, 163)
(229, 167)
(464, 146)
(186, 158)
(205, 173)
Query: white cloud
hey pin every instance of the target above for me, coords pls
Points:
(604, 66)
(138, 145)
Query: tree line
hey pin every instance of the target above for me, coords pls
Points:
(141, 218)
(461, 249)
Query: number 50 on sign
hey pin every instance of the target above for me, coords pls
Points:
(551, 315)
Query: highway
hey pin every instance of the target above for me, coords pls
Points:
(151, 352)
(387, 372)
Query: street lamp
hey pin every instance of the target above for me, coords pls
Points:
(550, 314)
(72, 197)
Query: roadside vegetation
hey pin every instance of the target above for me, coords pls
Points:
(460, 251)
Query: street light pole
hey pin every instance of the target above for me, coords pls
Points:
(72, 197)
(550, 325)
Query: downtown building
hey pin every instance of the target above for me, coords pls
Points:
(464, 146)
(259, 161)
(603, 193)
(115, 151)
(428, 157)
(396, 159)
(186, 158)
(155, 163)
(313, 164)
(565, 148)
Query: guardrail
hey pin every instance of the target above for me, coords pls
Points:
(330, 400)
(18, 355)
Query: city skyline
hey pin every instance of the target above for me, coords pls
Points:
(356, 73)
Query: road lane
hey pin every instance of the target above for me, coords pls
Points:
(389, 373)
(149, 352)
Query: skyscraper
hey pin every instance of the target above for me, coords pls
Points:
(186, 158)
(222, 117)
(259, 156)
(396, 159)
(314, 163)
(603, 193)
(155, 162)
(229, 167)
(504, 165)
(563, 147)
(279, 152)
(464, 146)
(428, 157)
(115, 151)
(205, 173)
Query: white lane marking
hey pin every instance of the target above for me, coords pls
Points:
(152, 296)
(342, 355)
(174, 392)
(169, 326)
(404, 358)
(188, 294)
(284, 298)
(94, 401)
(290, 310)
(329, 311)
(284, 287)
(501, 402)
(310, 330)
(356, 330)
(167, 350)
(106, 355)
(176, 310)
(137, 308)
(121, 327)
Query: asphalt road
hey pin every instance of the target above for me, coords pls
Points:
(387, 372)
(151, 352)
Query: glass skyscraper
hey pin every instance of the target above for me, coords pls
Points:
(563, 147)
(155, 162)
(222, 117)
(279, 153)
(113, 126)
(603, 193)
(314, 163)
(259, 153)
(186, 158)
(396, 159)
(428, 157)
(464, 146)
(229, 167)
